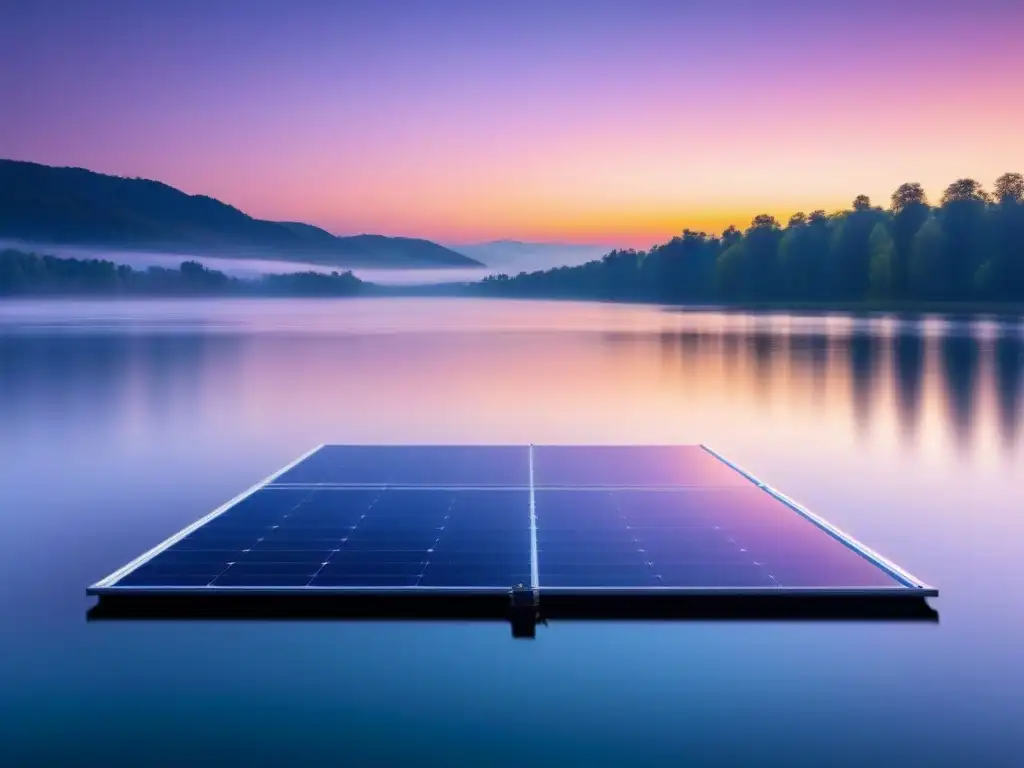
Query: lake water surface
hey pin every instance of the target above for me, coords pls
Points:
(121, 422)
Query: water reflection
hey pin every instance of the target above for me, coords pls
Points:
(908, 370)
(959, 356)
(761, 346)
(762, 364)
(104, 381)
(1008, 364)
(863, 350)
(918, 380)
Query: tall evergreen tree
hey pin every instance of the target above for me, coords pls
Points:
(910, 210)
(881, 270)
(963, 214)
(1007, 267)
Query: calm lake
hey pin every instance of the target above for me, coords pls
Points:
(122, 422)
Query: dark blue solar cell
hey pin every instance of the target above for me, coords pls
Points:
(295, 536)
(350, 581)
(315, 556)
(200, 555)
(348, 555)
(374, 525)
(362, 465)
(555, 559)
(134, 579)
(294, 543)
(743, 575)
(595, 577)
(439, 575)
(469, 466)
(636, 466)
(199, 542)
(390, 541)
(735, 537)
(356, 537)
(385, 568)
(230, 579)
(463, 466)
(272, 569)
(158, 567)
(506, 559)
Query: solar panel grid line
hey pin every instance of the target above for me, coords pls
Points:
(640, 550)
(898, 573)
(232, 564)
(437, 541)
(145, 557)
(534, 566)
(324, 564)
(764, 567)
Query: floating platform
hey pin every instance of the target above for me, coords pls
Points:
(540, 529)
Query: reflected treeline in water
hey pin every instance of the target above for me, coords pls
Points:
(900, 371)
(762, 345)
(1009, 376)
(959, 355)
(864, 353)
(89, 381)
(901, 382)
(908, 350)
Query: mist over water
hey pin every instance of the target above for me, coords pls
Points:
(509, 258)
(124, 421)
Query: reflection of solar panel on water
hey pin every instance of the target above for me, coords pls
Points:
(537, 522)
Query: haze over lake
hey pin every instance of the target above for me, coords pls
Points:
(510, 258)
(246, 267)
(124, 421)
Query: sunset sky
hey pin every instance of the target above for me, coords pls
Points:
(611, 122)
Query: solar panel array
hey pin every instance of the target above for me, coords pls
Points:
(487, 518)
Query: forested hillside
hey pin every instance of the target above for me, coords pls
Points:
(967, 248)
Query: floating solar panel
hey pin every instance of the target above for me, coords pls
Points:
(477, 520)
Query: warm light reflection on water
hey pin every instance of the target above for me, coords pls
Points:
(122, 422)
(432, 370)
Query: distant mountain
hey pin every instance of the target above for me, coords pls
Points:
(516, 255)
(63, 206)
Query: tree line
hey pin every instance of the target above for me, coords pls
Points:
(33, 274)
(968, 248)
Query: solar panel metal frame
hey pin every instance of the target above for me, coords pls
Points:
(907, 585)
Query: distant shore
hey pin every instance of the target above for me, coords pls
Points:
(869, 308)
(805, 307)
(474, 290)
(24, 275)
(32, 276)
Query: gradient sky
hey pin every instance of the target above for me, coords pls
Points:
(613, 122)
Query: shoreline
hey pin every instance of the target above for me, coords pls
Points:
(973, 309)
(376, 291)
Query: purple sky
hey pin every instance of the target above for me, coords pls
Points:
(610, 121)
